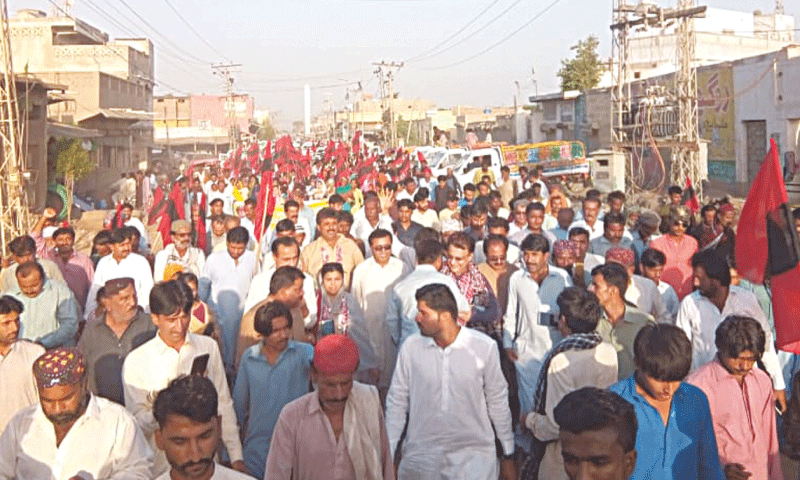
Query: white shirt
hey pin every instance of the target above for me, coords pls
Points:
(259, 291)
(220, 473)
(428, 219)
(512, 254)
(670, 300)
(372, 288)
(134, 266)
(149, 369)
(595, 232)
(251, 231)
(521, 235)
(699, 318)
(403, 194)
(453, 397)
(591, 260)
(193, 260)
(362, 229)
(17, 384)
(138, 225)
(104, 443)
(644, 293)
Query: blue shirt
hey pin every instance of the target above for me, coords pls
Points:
(685, 448)
(261, 392)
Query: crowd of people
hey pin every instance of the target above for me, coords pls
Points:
(416, 328)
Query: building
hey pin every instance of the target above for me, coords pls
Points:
(109, 88)
(200, 124)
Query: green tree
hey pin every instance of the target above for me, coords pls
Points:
(582, 72)
(265, 131)
(73, 163)
(407, 132)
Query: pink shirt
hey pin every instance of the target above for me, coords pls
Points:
(678, 269)
(78, 271)
(744, 419)
(304, 447)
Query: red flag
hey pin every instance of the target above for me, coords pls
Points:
(767, 248)
(118, 217)
(690, 197)
(263, 206)
(424, 162)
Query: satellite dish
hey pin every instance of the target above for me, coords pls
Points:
(87, 145)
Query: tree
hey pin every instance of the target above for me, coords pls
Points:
(584, 71)
(73, 163)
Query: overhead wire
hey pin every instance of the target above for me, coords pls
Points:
(197, 34)
(501, 41)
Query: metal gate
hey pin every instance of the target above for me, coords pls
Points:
(756, 132)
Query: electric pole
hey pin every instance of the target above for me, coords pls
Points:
(14, 218)
(225, 71)
(389, 68)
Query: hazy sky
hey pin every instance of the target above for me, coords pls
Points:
(283, 44)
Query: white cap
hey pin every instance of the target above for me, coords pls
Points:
(47, 232)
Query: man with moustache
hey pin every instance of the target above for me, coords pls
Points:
(179, 252)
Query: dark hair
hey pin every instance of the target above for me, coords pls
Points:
(190, 396)
(10, 304)
(590, 409)
(534, 206)
(497, 222)
(127, 205)
(441, 178)
(796, 214)
(737, 334)
(438, 297)
(262, 321)
(428, 251)
(24, 270)
(216, 200)
(708, 208)
(130, 232)
(505, 168)
(252, 202)
(422, 194)
(662, 352)
(238, 235)
(284, 225)
(480, 207)
(120, 235)
(284, 277)
(461, 240)
(103, 237)
(378, 233)
(405, 202)
(408, 180)
(469, 187)
(170, 297)
(290, 204)
(652, 258)
(325, 214)
(576, 231)
(494, 238)
(615, 275)
(284, 242)
(466, 211)
(335, 198)
(580, 308)
(714, 264)
(23, 245)
(345, 216)
(674, 189)
(64, 231)
(591, 199)
(185, 277)
(536, 243)
(425, 233)
(615, 218)
(218, 218)
(616, 195)
(331, 267)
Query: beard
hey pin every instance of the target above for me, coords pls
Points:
(69, 417)
(184, 469)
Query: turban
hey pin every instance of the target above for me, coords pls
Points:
(561, 246)
(335, 354)
(726, 207)
(623, 256)
(61, 366)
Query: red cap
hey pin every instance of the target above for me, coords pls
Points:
(335, 354)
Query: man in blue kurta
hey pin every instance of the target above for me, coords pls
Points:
(272, 373)
(675, 438)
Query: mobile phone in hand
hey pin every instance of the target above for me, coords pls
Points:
(200, 364)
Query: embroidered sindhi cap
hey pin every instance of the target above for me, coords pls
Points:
(61, 366)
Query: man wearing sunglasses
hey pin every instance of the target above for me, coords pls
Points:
(179, 252)
(678, 247)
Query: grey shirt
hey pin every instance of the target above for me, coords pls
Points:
(105, 353)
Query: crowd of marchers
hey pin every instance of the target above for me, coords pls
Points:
(411, 328)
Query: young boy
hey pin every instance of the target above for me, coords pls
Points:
(652, 264)
(339, 312)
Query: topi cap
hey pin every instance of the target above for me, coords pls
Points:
(623, 256)
(335, 354)
(61, 366)
(180, 224)
(560, 246)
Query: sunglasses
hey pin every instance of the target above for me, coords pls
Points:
(382, 248)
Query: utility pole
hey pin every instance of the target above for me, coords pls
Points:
(14, 215)
(627, 113)
(779, 7)
(389, 68)
(225, 71)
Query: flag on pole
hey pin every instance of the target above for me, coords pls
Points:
(690, 197)
(767, 250)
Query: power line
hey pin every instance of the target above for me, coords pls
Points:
(458, 32)
(501, 41)
(197, 34)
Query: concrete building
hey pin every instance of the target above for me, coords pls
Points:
(109, 86)
(200, 124)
